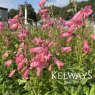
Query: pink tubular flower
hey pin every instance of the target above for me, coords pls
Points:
(38, 72)
(16, 17)
(50, 68)
(12, 73)
(22, 45)
(23, 69)
(36, 50)
(1, 26)
(68, 33)
(41, 4)
(58, 63)
(78, 16)
(22, 34)
(40, 68)
(43, 11)
(19, 58)
(44, 26)
(66, 49)
(64, 34)
(92, 36)
(44, 16)
(8, 63)
(87, 11)
(48, 24)
(14, 26)
(78, 19)
(86, 48)
(20, 65)
(5, 55)
(37, 41)
(6, 40)
(25, 76)
(12, 21)
(68, 23)
(40, 58)
(69, 39)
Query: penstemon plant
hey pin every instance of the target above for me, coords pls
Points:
(56, 59)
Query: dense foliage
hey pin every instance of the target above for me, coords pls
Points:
(30, 9)
(68, 11)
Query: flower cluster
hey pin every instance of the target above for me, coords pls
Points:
(14, 23)
(1, 26)
(43, 56)
(22, 34)
(47, 22)
(76, 21)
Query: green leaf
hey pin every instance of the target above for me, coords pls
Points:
(92, 91)
(21, 81)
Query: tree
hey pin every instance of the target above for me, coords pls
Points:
(31, 13)
(12, 13)
(68, 11)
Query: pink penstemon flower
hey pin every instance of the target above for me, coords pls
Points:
(50, 68)
(64, 34)
(8, 63)
(40, 68)
(12, 73)
(12, 21)
(43, 11)
(67, 23)
(69, 39)
(58, 63)
(22, 34)
(37, 41)
(38, 71)
(68, 33)
(6, 40)
(86, 48)
(92, 36)
(22, 45)
(41, 4)
(1, 26)
(26, 73)
(87, 11)
(36, 50)
(23, 69)
(16, 17)
(14, 26)
(44, 26)
(20, 65)
(5, 55)
(78, 16)
(66, 49)
(19, 58)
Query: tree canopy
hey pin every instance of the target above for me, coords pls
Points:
(68, 11)
(31, 13)
(12, 13)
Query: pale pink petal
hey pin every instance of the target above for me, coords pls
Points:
(12, 73)
(8, 63)
(26, 73)
(58, 63)
(86, 48)
(92, 36)
(66, 49)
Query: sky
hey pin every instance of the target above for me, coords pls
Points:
(14, 3)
